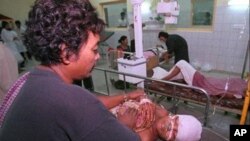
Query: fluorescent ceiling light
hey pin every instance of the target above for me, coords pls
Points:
(145, 7)
(238, 2)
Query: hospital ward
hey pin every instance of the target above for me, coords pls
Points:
(124, 70)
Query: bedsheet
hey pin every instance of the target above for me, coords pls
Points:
(221, 102)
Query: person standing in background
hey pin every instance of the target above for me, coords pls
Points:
(123, 20)
(170, 9)
(208, 19)
(8, 70)
(21, 47)
(9, 36)
(176, 45)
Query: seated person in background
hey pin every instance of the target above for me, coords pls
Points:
(214, 86)
(154, 122)
(121, 51)
(123, 47)
(177, 46)
(123, 44)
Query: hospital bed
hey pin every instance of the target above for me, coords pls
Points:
(147, 80)
(179, 91)
(221, 102)
(176, 87)
(233, 105)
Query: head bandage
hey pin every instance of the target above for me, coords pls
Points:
(189, 128)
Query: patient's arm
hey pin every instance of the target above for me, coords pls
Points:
(112, 101)
(172, 73)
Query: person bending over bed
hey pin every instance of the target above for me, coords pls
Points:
(154, 122)
(177, 46)
(233, 87)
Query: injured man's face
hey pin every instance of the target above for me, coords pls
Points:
(167, 127)
(179, 128)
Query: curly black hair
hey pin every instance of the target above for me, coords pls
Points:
(54, 22)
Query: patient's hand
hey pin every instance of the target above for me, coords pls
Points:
(129, 117)
(166, 57)
(135, 95)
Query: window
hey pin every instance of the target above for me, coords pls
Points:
(115, 13)
(193, 13)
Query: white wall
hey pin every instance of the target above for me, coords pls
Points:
(223, 48)
(16, 9)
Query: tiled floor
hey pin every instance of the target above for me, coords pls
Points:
(219, 122)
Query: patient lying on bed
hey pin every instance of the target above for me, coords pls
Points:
(214, 86)
(154, 121)
(160, 52)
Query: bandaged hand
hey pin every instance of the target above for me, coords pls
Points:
(129, 117)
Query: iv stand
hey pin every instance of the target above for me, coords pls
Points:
(246, 59)
(244, 111)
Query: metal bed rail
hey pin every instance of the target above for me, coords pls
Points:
(147, 79)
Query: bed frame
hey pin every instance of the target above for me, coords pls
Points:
(147, 81)
(219, 102)
(232, 105)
